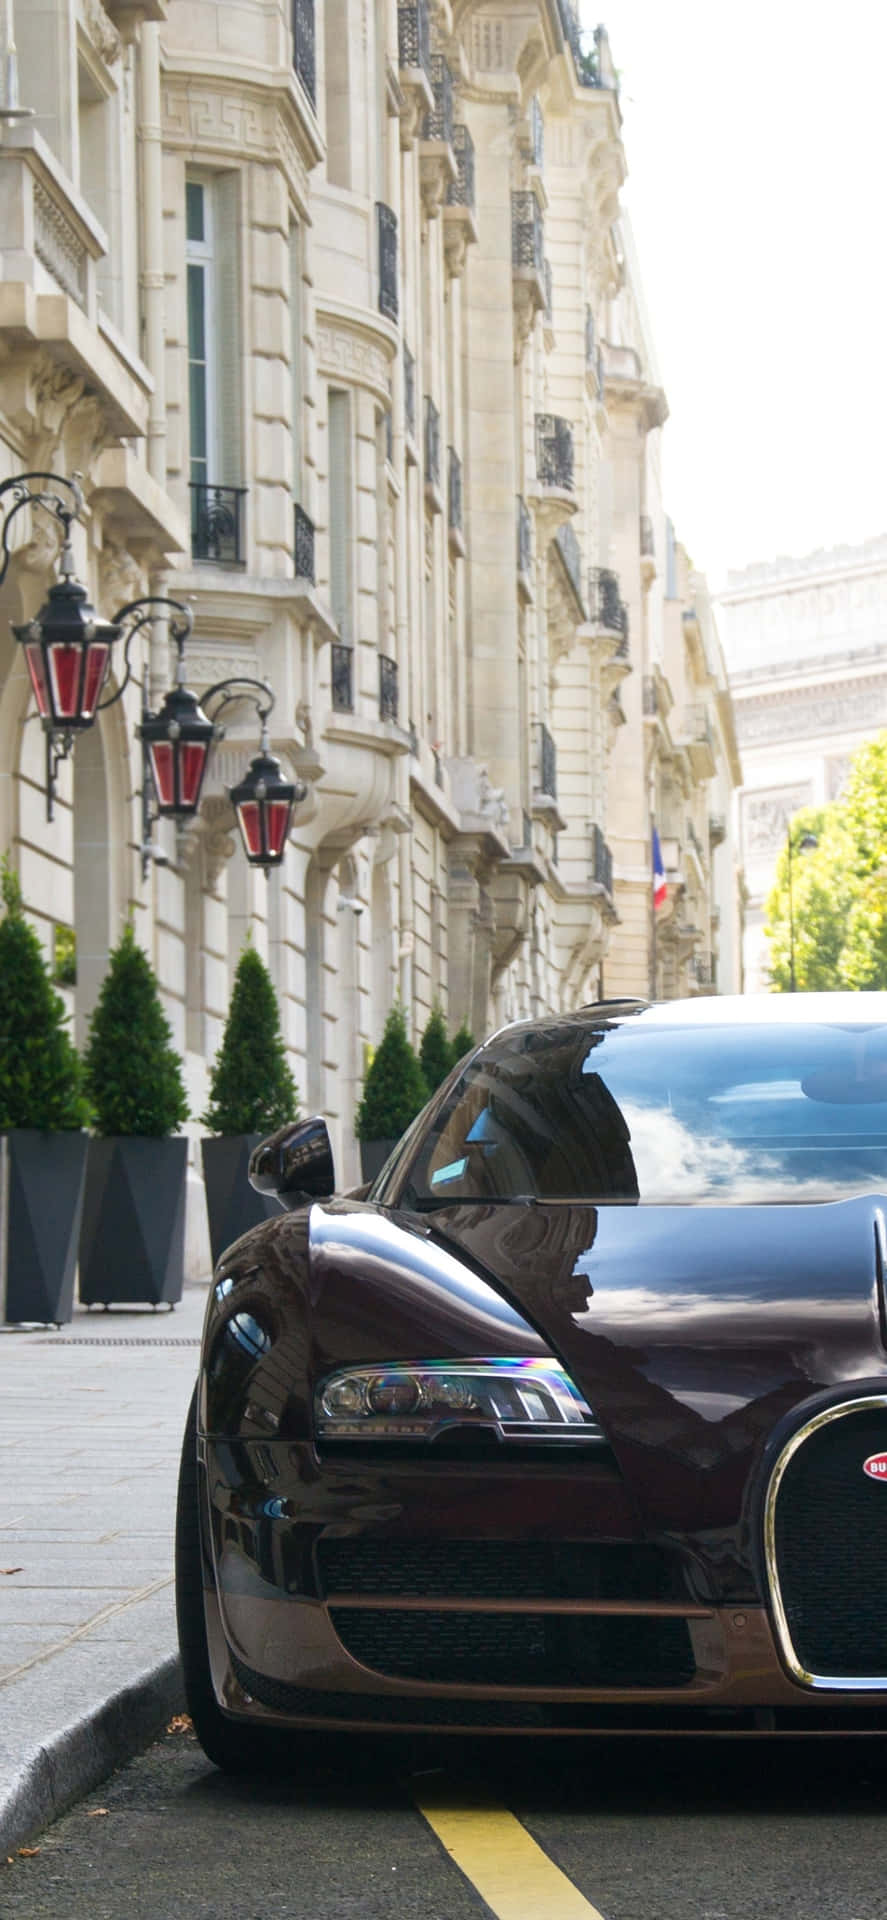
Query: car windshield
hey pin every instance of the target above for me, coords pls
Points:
(630, 1113)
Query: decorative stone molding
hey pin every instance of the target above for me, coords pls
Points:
(348, 350)
(101, 31)
(120, 577)
(58, 246)
(766, 814)
(837, 708)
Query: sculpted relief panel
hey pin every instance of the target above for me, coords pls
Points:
(766, 814)
(858, 704)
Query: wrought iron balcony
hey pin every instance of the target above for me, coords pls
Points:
(432, 443)
(217, 524)
(304, 60)
(601, 860)
(651, 697)
(590, 338)
(460, 192)
(546, 761)
(414, 38)
(387, 229)
(454, 490)
(571, 30)
(537, 134)
(606, 608)
(409, 391)
(527, 232)
(303, 544)
(647, 538)
(387, 688)
(554, 451)
(571, 554)
(524, 537)
(343, 677)
(546, 282)
(439, 122)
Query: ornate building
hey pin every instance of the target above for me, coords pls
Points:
(805, 645)
(334, 309)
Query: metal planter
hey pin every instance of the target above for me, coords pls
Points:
(132, 1240)
(41, 1200)
(232, 1205)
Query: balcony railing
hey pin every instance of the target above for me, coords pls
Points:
(460, 192)
(439, 122)
(546, 282)
(606, 608)
(387, 230)
(647, 538)
(454, 490)
(537, 134)
(432, 443)
(554, 451)
(409, 391)
(571, 555)
(650, 697)
(217, 524)
(590, 338)
(701, 969)
(303, 545)
(527, 232)
(343, 677)
(524, 537)
(387, 688)
(414, 37)
(601, 860)
(546, 761)
(304, 60)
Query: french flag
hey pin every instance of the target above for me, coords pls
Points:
(660, 884)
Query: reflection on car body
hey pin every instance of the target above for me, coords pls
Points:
(567, 1423)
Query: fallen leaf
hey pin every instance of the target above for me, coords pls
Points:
(27, 1853)
(94, 1812)
(180, 1723)
(12, 1569)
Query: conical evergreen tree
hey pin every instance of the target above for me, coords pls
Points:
(394, 1090)
(133, 1073)
(252, 1089)
(435, 1056)
(462, 1042)
(40, 1076)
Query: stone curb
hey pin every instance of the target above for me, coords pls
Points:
(60, 1768)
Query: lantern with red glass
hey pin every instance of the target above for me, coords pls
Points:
(67, 651)
(263, 802)
(177, 741)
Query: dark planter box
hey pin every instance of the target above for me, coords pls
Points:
(132, 1241)
(233, 1206)
(373, 1155)
(43, 1178)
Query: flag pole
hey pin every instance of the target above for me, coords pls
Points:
(653, 954)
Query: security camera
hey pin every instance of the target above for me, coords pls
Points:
(348, 900)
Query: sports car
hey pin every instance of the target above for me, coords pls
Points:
(575, 1420)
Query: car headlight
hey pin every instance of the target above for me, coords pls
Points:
(511, 1399)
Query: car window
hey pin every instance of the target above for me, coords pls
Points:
(627, 1114)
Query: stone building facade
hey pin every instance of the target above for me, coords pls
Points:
(334, 307)
(805, 645)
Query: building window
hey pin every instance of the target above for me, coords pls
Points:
(340, 511)
(214, 368)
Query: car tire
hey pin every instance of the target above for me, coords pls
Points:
(234, 1748)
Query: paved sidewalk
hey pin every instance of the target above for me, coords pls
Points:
(91, 1422)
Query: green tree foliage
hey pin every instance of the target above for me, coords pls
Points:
(40, 1077)
(839, 890)
(461, 1043)
(252, 1089)
(394, 1090)
(435, 1053)
(133, 1073)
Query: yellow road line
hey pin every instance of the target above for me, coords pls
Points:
(509, 1871)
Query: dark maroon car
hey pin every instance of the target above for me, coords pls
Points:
(576, 1420)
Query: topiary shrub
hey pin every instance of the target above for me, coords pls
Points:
(251, 1089)
(394, 1090)
(41, 1084)
(462, 1042)
(133, 1073)
(435, 1055)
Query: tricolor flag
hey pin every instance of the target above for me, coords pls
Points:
(660, 884)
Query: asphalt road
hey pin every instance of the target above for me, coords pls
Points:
(641, 1832)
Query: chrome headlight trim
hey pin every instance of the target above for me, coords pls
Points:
(515, 1399)
(818, 1682)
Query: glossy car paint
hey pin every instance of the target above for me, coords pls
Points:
(700, 1336)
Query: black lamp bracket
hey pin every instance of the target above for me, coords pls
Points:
(139, 614)
(25, 493)
(228, 692)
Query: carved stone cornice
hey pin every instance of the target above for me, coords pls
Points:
(437, 171)
(356, 348)
(459, 233)
(101, 31)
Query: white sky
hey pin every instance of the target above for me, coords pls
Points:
(756, 138)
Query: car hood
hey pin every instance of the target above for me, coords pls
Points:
(692, 1331)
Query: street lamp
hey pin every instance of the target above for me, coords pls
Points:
(806, 844)
(67, 650)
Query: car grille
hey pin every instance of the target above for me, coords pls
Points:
(829, 1541)
(518, 1649)
(496, 1569)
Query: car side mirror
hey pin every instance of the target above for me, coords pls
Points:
(295, 1164)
